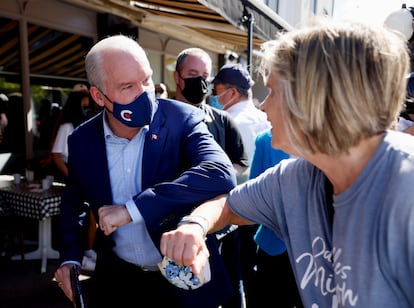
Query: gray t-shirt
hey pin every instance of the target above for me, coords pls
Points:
(372, 242)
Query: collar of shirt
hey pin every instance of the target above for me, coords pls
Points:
(239, 107)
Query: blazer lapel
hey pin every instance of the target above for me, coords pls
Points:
(153, 149)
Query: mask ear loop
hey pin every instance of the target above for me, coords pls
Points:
(109, 100)
(102, 92)
(230, 101)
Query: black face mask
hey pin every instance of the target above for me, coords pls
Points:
(195, 89)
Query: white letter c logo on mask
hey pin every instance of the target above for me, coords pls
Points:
(126, 115)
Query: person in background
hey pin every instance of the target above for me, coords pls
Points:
(91, 109)
(161, 90)
(3, 115)
(45, 122)
(271, 261)
(13, 138)
(264, 155)
(12, 125)
(406, 119)
(71, 116)
(343, 207)
(80, 87)
(141, 165)
(233, 89)
(191, 75)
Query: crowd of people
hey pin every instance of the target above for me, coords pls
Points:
(303, 198)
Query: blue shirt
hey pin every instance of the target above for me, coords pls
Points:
(133, 243)
(265, 156)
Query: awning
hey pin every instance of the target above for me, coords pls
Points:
(215, 25)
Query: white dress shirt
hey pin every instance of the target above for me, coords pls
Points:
(251, 121)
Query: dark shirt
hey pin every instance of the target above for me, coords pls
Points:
(227, 135)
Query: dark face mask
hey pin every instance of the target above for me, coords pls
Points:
(195, 89)
(135, 114)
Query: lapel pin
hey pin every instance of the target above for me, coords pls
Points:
(154, 137)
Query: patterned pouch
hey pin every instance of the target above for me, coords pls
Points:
(183, 276)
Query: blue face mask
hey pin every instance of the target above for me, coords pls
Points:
(215, 102)
(137, 113)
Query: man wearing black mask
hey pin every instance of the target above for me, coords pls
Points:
(192, 71)
(191, 75)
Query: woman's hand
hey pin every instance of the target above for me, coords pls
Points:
(186, 245)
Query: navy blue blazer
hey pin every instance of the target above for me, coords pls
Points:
(182, 167)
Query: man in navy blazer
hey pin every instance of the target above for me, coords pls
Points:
(140, 165)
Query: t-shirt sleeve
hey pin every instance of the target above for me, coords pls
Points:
(61, 142)
(255, 199)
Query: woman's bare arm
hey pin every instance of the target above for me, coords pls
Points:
(186, 244)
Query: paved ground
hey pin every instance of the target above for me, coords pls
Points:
(23, 286)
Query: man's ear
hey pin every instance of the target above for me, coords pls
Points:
(97, 96)
(234, 92)
(176, 77)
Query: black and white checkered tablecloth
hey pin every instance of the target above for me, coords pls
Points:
(32, 203)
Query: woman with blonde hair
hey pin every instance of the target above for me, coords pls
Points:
(344, 207)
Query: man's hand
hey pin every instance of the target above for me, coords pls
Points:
(186, 245)
(113, 216)
(62, 277)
